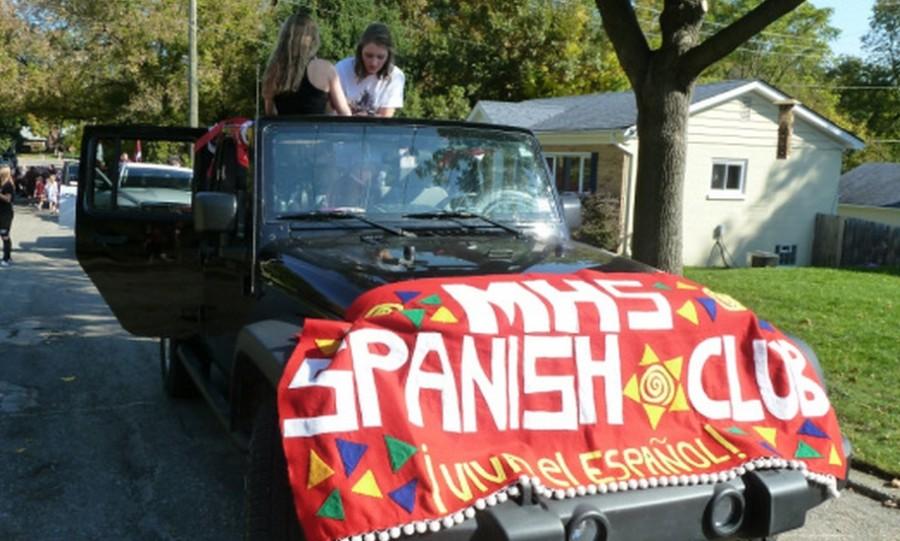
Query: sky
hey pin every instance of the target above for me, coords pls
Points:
(852, 18)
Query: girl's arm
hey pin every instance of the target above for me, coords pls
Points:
(336, 95)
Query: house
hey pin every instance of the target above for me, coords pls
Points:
(759, 167)
(871, 192)
(29, 142)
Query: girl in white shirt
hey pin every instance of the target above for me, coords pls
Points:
(372, 83)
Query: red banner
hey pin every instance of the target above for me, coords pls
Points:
(441, 396)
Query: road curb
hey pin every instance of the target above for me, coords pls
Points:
(872, 483)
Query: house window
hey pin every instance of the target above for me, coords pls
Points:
(728, 178)
(571, 171)
(787, 254)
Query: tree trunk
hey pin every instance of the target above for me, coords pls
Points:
(662, 129)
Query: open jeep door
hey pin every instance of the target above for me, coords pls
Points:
(134, 226)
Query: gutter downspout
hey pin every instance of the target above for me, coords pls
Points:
(629, 203)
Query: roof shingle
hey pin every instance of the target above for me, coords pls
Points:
(871, 184)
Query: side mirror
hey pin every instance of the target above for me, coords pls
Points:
(214, 212)
(571, 204)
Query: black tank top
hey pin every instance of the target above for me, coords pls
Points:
(306, 100)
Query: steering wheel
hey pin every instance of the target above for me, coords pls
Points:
(506, 202)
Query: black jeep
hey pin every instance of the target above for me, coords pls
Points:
(295, 217)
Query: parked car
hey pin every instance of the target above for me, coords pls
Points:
(70, 173)
(304, 215)
(144, 185)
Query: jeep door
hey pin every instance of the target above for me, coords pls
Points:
(134, 230)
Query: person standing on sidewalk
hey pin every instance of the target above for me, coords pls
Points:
(7, 192)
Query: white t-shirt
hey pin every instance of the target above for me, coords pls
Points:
(371, 93)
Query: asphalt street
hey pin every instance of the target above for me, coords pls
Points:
(90, 448)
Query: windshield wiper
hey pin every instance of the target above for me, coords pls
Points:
(456, 215)
(342, 215)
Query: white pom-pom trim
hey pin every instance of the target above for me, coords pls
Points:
(524, 481)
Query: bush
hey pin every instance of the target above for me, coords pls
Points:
(600, 221)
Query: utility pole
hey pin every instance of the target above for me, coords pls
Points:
(194, 116)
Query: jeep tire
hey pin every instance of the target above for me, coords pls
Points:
(176, 381)
(269, 505)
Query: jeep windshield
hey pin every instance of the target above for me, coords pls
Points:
(431, 175)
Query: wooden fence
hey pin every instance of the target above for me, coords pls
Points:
(851, 242)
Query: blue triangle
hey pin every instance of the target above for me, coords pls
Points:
(351, 454)
(810, 429)
(405, 496)
(406, 296)
(710, 306)
(765, 445)
(763, 324)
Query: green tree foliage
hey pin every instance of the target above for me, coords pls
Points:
(870, 94)
(504, 50)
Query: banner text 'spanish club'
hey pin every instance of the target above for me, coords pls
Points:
(440, 396)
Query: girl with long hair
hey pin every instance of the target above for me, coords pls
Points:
(373, 84)
(295, 81)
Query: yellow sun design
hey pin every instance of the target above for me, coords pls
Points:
(658, 386)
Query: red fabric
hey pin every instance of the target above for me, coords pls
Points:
(588, 382)
(235, 125)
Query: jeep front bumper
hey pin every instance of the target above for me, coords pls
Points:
(757, 504)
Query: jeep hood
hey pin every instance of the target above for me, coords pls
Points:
(327, 273)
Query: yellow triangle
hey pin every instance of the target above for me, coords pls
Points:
(442, 315)
(631, 389)
(682, 285)
(674, 367)
(649, 357)
(679, 403)
(318, 470)
(688, 312)
(653, 414)
(834, 458)
(768, 434)
(327, 345)
(367, 485)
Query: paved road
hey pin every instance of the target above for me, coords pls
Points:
(91, 449)
(89, 446)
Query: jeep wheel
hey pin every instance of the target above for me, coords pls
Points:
(269, 506)
(176, 380)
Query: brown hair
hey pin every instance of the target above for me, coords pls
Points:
(298, 43)
(379, 34)
(5, 174)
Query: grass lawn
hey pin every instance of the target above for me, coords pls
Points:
(852, 320)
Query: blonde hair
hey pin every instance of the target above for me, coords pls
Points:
(298, 43)
(5, 174)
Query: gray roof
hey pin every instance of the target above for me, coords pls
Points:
(605, 111)
(871, 184)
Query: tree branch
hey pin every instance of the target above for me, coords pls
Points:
(732, 36)
(621, 25)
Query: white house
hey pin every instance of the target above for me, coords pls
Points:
(736, 185)
(871, 192)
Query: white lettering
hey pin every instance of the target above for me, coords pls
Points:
(565, 311)
(313, 373)
(813, 400)
(588, 369)
(713, 409)
(365, 361)
(443, 381)
(549, 347)
(741, 410)
(659, 319)
(472, 375)
(510, 297)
